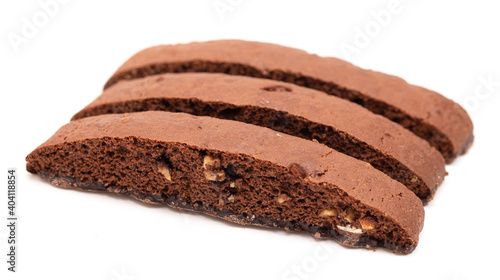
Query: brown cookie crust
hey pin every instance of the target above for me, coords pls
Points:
(426, 113)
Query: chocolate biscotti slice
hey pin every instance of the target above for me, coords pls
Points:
(295, 110)
(236, 171)
(426, 113)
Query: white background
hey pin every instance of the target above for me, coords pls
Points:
(447, 46)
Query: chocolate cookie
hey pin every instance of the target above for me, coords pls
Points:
(440, 121)
(240, 172)
(306, 113)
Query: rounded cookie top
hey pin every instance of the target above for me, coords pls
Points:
(422, 104)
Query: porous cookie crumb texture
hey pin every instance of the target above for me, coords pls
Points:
(262, 184)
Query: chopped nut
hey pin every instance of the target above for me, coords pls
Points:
(218, 176)
(210, 163)
(414, 179)
(350, 215)
(282, 198)
(328, 213)
(367, 223)
(350, 229)
(230, 198)
(298, 170)
(232, 185)
(213, 169)
(165, 172)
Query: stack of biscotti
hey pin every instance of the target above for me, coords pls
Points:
(261, 134)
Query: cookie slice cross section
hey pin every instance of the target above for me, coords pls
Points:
(302, 112)
(239, 172)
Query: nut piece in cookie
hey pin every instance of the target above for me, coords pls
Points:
(213, 169)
